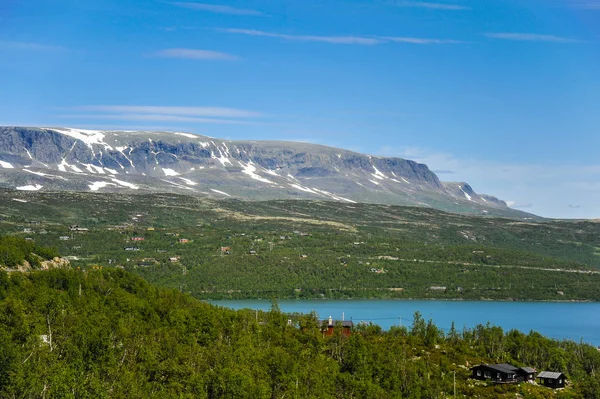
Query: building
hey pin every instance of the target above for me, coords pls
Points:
(527, 373)
(64, 238)
(328, 327)
(137, 238)
(552, 379)
(184, 240)
(499, 373)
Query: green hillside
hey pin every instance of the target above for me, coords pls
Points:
(290, 249)
(106, 333)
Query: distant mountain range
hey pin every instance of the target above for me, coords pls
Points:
(56, 159)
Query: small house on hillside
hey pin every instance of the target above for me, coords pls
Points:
(183, 241)
(137, 238)
(499, 373)
(328, 327)
(552, 379)
(527, 373)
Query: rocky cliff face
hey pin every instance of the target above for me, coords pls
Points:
(85, 160)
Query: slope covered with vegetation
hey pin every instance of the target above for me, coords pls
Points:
(288, 249)
(107, 333)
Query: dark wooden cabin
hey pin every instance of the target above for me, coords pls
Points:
(526, 373)
(552, 379)
(328, 327)
(499, 373)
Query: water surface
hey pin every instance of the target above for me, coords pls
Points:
(562, 320)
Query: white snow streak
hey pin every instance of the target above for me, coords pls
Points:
(125, 184)
(30, 188)
(188, 181)
(44, 174)
(250, 170)
(378, 175)
(466, 195)
(302, 188)
(189, 136)
(6, 165)
(89, 137)
(19, 200)
(95, 186)
(219, 192)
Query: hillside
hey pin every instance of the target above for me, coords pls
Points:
(56, 159)
(108, 334)
(288, 249)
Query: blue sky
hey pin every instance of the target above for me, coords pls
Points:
(503, 94)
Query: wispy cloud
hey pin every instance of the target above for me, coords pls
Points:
(195, 54)
(155, 118)
(152, 113)
(309, 38)
(433, 6)
(587, 4)
(218, 112)
(30, 46)
(543, 188)
(360, 40)
(531, 37)
(219, 9)
(418, 40)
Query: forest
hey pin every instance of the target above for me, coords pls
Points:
(107, 333)
(309, 249)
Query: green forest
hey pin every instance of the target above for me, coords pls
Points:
(107, 333)
(309, 249)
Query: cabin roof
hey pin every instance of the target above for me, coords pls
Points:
(528, 370)
(345, 323)
(503, 368)
(550, 374)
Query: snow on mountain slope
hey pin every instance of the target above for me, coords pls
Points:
(153, 161)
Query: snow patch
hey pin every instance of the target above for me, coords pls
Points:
(30, 188)
(95, 186)
(28, 153)
(188, 135)
(219, 192)
(19, 200)
(188, 181)
(374, 182)
(43, 174)
(250, 170)
(125, 184)
(405, 181)
(89, 137)
(271, 172)
(378, 175)
(6, 165)
(466, 195)
(170, 172)
(203, 144)
(302, 188)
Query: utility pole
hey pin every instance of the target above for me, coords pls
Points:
(454, 384)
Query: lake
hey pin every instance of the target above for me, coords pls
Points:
(561, 320)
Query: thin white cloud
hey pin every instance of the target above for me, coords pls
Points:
(586, 4)
(531, 37)
(360, 40)
(432, 6)
(219, 9)
(27, 46)
(367, 41)
(195, 54)
(156, 118)
(211, 112)
(543, 189)
(417, 40)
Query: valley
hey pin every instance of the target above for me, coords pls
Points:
(230, 249)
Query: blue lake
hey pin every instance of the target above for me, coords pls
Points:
(561, 320)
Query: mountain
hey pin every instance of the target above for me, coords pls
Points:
(57, 159)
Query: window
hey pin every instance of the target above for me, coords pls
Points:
(478, 373)
(487, 374)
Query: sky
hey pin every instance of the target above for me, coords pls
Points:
(502, 94)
